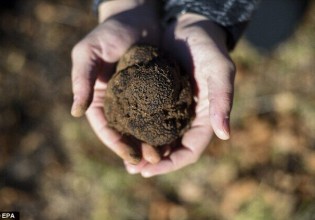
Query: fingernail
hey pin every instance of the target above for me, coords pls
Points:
(146, 174)
(77, 110)
(133, 160)
(131, 170)
(226, 128)
(132, 157)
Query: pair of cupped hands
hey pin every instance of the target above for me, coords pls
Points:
(198, 44)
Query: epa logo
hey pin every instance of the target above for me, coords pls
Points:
(10, 215)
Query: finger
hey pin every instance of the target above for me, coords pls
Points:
(112, 139)
(150, 153)
(194, 142)
(173, 163)
(166, 150)
(84, 73)
(135, 168)
(220, 95)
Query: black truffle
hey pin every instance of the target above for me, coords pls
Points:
(148, 97)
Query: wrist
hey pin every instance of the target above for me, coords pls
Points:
(109, 8)
(191, 25)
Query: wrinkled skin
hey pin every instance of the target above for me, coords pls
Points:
(197, 43)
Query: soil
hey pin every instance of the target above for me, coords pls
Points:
(149, 97)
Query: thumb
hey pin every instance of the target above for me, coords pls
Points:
(220, 94)
(84, 73)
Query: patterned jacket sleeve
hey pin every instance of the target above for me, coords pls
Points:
(232, 15)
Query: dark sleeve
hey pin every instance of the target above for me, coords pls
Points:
(232, 15)
(95, 5)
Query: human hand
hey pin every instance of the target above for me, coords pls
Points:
(200, 46)
(122, 24)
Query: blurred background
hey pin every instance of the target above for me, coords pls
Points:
(52, 166)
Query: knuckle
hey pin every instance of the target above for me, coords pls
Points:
(230, 66)
(224, 65)
(80, 48)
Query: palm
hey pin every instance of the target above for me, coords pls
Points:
(193, 43)
(93, 64)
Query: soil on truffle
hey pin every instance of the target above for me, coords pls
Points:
(148, 97)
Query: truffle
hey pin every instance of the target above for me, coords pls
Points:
(148, 97)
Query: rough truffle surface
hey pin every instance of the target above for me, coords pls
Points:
(148, 97)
